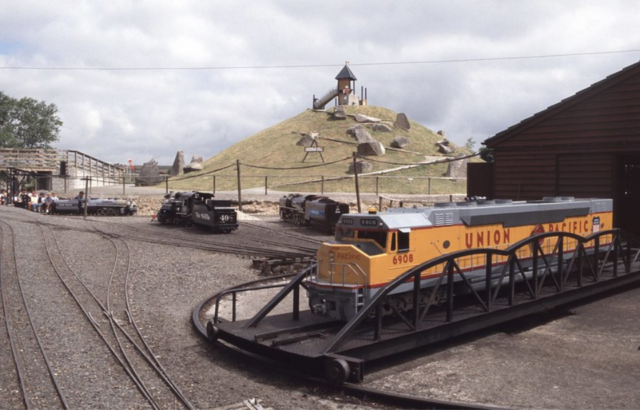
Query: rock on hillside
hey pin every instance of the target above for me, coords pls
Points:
(274, 151)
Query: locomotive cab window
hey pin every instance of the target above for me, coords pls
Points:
(344, 233)
(392, 245)
(403, 240)
(379, 237)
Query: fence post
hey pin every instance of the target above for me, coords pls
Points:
(355, 172)
(265, 185)
(239, 186)
(380, 204)
(166, 184)
(322, 185)
(214, 185)
(86, 197)
(124, 179)
(377, 185)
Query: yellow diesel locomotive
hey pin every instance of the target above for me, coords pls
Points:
(372, 249)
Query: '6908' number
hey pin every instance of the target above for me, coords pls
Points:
(406, 258)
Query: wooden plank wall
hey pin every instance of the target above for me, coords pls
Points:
(524, 175)
(586, 175)
(572, 153)
(608, 120)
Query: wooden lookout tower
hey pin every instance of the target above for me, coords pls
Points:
(344, 93)
(346, 86)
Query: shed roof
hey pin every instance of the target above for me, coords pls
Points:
(346, 74)
(594, 89)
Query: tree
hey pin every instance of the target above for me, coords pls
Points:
(27, 123)
(486, 154)
(470, 144)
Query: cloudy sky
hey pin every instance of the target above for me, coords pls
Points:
(143, 79)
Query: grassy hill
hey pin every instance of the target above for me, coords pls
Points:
(275, 147)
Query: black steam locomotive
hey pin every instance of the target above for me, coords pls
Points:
(198, 208)
(317, 211)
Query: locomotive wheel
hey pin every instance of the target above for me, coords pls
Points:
(336, 371)
(110, 211)
(100, 211)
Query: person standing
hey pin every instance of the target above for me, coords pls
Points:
(81, 201)
(25, 199)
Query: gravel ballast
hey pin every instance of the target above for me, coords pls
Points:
(166, 282)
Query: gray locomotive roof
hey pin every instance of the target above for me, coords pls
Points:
(509, 214)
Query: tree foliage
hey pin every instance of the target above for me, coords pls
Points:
(28, 123)
(470, 145)
(486, 154)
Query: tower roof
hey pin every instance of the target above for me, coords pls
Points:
(345, 74)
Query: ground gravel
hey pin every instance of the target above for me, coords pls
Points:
(166, 282)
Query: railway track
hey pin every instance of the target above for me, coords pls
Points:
(112, 320)
(109, 317)
(253, 244)
(35, 375)
(139, 355)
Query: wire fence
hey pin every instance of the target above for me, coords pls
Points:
(221, 179)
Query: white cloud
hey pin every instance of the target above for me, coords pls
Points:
(114, 115)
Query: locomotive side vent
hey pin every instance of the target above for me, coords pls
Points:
(444, 218)
(448, 218)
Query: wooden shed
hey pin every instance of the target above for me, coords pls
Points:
(587, 145)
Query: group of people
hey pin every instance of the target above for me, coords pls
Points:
(33, 201)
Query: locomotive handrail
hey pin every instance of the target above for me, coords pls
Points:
(351, 266)
(537, 255)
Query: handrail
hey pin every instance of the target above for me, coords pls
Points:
(451, 267)
(291, 286)
(351, 266)
(234, 292)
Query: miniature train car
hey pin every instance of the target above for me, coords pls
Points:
(198, 208)
(317, 211)
(95, 206)
(370, 250)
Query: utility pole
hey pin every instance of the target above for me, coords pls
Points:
(239, 186)
(86, 196)
(355, 172)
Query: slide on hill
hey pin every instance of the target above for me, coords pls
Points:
(320, 103)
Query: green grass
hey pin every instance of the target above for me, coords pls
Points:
(275, 147)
